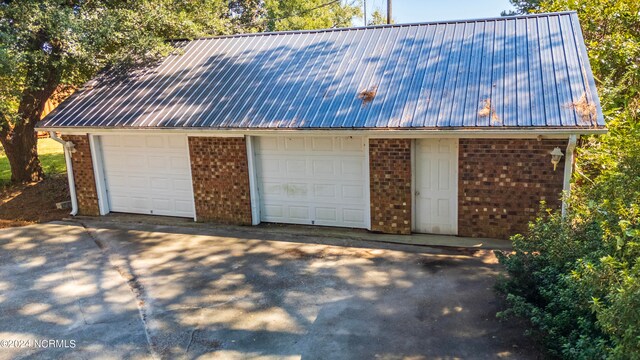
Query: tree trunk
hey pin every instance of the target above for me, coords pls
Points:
(20, 141)
(21, 148)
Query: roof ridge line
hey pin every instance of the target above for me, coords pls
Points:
(384, 26)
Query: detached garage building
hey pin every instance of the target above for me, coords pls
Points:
(441, 128)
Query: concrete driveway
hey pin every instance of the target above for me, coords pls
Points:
(105, 290)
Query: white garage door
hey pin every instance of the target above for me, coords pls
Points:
(148, 174)
(436, 186)
(312, 180)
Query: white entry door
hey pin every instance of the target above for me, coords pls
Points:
(148, 174)
(312, 180)
(436, 186)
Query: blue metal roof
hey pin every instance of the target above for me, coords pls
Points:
(523, 72)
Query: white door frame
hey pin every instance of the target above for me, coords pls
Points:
(367, 184)
(413, 185)
(193, 191)
(456, 172)
(98, 173)
(254, 194)
(455, 185)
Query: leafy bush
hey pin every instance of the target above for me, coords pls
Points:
(577, 279)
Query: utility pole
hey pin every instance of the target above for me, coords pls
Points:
(365, 12)
(388, 11)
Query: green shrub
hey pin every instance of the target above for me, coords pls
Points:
(577, 278)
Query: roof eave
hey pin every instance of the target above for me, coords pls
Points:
(455, 132)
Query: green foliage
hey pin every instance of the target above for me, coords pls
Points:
(578, 279)
(308, 14)
(522, 7)
(278, 15)
(377, 18)
(51, 42)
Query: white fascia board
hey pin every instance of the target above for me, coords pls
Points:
(371, 133)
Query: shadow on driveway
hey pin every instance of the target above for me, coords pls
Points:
(140, 291)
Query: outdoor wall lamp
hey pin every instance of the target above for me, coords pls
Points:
(556, 155)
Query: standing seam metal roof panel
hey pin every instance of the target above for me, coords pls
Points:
(510, 72)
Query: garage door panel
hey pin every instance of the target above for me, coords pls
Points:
(161, 205)
(322, 144)
(182, 185)
(138, 182)
(355, 193)
(160, 183)
(351, 168)
(157, 162)
(297, 191)
(110, 141)
(295, 167)
(136, 162)
(270, 166)
(180, 163)
(177, 142)
(148, 174)
(269, 143)
(354, 216)
(351, 144)
(118, 180)
(139, 203)
(155, 142)
(272, 189)
(298, 212)
(323, 167)
(115, 159)
(312, 180)
(325, 191)
(273, 211)
(326, 214)
(119, 202)
(132, 141)
(294, 144)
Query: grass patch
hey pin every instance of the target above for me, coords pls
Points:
(51, 157)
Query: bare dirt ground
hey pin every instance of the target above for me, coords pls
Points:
(26, 204)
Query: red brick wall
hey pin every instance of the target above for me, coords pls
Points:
(390, 185)
(220, 179)
(501, 183)
(83, 175)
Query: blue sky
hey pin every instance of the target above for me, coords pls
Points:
(409, 11)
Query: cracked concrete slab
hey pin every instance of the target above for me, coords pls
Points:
(57, 285)
(225, 292)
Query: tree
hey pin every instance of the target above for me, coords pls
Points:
(309, 14)
(523, 7)
(247, 15)
(377, 18)
(46, 46)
